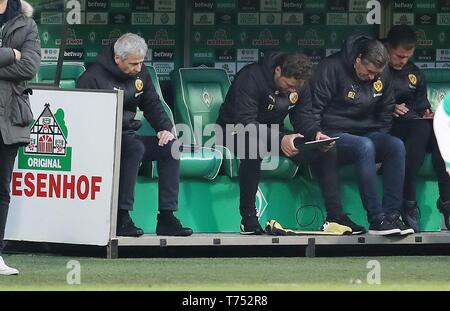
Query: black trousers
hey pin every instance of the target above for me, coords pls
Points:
(419, 138)
(136, 149)
(324, 165)
(8, 155)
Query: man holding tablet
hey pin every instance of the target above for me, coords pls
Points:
(260, 98)
(353, 98)
(413, 123)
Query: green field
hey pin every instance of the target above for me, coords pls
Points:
(38, 272)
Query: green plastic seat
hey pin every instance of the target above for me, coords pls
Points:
(200, 163)
(69, 75)
(199, 94)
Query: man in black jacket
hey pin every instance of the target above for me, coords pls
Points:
(260, 98)
(353, 99)
(121, 67)
(413, 123)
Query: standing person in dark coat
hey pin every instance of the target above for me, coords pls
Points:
(20, 58)
(260, 98)
(121, 67)
(413, 123)
(353, 99)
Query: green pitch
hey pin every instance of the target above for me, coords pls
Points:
(396, 273)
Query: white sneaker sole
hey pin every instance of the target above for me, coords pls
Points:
(248, 232)
(358, 232)
(385, 232)
(407, 231)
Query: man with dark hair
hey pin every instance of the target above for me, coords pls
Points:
(120, 66)
(260, 98)
(413, 123)
(353, 99)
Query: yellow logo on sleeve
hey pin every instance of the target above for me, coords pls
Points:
(378, 86)
(413, 79)
(351, 95)
(293, 97)
(139, 84)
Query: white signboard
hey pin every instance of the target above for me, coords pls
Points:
(63, 185)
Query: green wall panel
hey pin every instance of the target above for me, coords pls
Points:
(230, 34)
(431, 20)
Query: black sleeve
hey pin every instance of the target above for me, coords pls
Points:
(246, 96)
(87, 81)
(323, 88)
(386, 112)
(152, 107)
(302, 117)
(421, 102)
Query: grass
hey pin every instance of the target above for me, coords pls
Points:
(39, 272)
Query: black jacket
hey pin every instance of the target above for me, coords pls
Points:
(106, 75)
(344, 103)
(253, 98)
(410, 88)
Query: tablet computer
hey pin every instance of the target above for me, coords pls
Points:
(423, 118)
(189, 148)
(302, 145)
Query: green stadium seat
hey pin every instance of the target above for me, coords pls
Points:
(69, 75)
(200, 163)
(199, 94)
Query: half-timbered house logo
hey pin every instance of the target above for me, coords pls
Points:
(46, 135)
(48, 149)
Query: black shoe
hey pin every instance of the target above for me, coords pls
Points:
(398, 222)
(444, 208)
(126, 227)
(171, 226)
(409, 215)
(346, 221)
(250, 226)
(383, 226)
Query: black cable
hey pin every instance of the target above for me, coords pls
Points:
(316, 208)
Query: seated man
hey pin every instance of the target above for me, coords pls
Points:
(121, 67)
(413, 123)
(353, 99)
(251, 121)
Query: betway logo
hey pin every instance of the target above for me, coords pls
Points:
(95, 4)
(164, 54)
(73, 54)
(203, 5)
(403, 5)
(292, 5)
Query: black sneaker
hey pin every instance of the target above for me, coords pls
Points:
(346, 221)
(383, 226)
(409, 215)
(444, 208)
(171, 226)
(126, 227)
(398, 222)
(250, 226)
